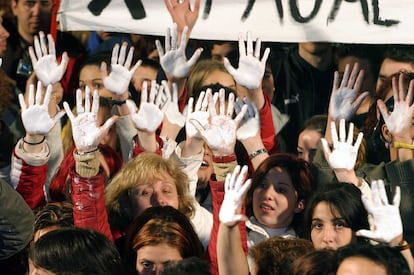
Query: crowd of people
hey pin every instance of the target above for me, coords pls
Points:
(136, 154)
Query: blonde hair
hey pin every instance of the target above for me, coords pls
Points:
(137, 172)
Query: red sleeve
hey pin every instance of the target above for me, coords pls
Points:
(88, 200)
(58, 188)
(217, 196)
(267, 128)
(30, 181)
(138, 150)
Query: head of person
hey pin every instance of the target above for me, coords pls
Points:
(146, 72)
(90, 74)
(276, 255)
(187, 266)
(160, 235)
(207, 72)
(32, 16)
(4, 34)
(316, 262)
(221, 49)
(379, 140)
(364, 259)
(74, 251)
(53, 216)
(146, 181)
(334, 214)
(313, 130)
(315, 48)
(396, 59)
(280, 188)
(367, 56)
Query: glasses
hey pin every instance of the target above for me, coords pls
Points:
(44, 4)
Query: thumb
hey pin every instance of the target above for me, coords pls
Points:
(366, 234)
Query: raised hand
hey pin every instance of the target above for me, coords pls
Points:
(386, 217)
(151, 111)
(220, 132)
(35, 115)
(345, 100)
(235, 188)
(182, 14)
(199, 113)
(173, 114)
(44, 62)
(344, 153)
(251, 69)
(400, 120)
(173, 61)
(87, 134)
(121, 72)
(250, 124)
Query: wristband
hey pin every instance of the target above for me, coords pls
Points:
(87, 152)
(404, 245)
(35, 143)
(224, 159)
(118, 102)
(398, 145)
(257, 152)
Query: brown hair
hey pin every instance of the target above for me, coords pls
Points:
(138, 171)
(317, 262)
(163, 224)
(54, 214)
(275, 255)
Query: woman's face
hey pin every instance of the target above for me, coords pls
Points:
(90, 75)
(275, 200)
(307, 144)
(152, 258)
(329, 229)
(160, 191)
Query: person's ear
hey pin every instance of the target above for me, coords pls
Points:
(300, 206)
(13, 6)
(386, 134)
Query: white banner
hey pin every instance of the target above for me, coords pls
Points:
(347, 21)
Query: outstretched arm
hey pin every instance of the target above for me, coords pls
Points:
(388, 227)
(399, 121)
(173, 59)
(345, 97)
(230, 254)
(44, 62)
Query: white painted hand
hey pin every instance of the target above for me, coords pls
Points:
(172, 113)
(345, 100)
(251, 69)
(121, 72)
(87, 134)
(199, 113)
(386, 217)
(344, 154)
(400, 120)
(235, 193)
(44, 62)
(250, 124)
(35, 117)
(220, 132)
(151, 111)
(173, 61)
